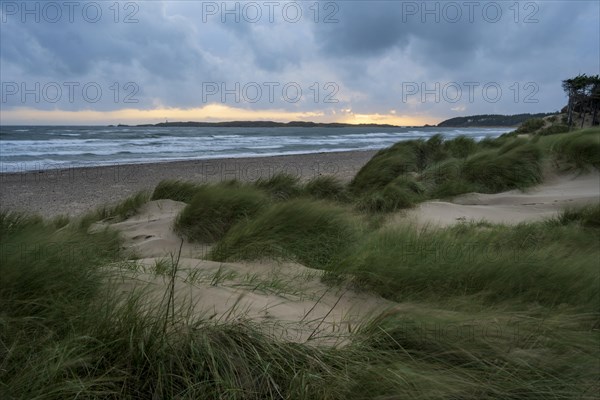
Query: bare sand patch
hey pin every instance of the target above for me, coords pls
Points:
(512, 207)
(287, 300)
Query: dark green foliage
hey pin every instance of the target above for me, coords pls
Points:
(553, 130)
(461, 147)
(490, 120)
(311, 232)
(433, 150)
(402, 192)
(175, 190)
(41, 265)
(400, 159)
(508, 135)
(11, 222)
(531, 125)
(280, 186)
(527, 262)
(446, 179)
(326, 187)
(511, 144)
(447, 170)
(60, 221)
(487, 312)
(214, 209)
(588, 216)
(584, 97)
(493, 143)
(495, 171)
(581, 148)
(384, 167)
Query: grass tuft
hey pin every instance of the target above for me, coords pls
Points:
(280, 186)
(461, 146)
(588, 216)
(508, 168)
(326, 188)
(175, 190)
(403, 192)
(525, 263)
(215, 209)
(310, 232)
(487, 311)
(121, 211)
(580, 149)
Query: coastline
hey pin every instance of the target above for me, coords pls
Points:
(73, 191)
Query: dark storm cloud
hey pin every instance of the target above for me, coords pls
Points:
(80, 46)
(536, 42)
(370, 49)
(446, 37)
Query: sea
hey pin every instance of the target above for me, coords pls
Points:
(29, 148)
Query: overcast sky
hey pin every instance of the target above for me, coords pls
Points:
(401, 62)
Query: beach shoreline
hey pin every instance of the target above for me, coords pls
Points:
(73, 191)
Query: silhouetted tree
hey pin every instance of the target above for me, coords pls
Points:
(583, 92)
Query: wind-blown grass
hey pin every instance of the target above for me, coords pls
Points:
(460, 146)
(175, 190)
(49, 260)
(588, 216)
(513, 166)
(384, 167)
(280, 186)
(215, 209)
(326, 188)
(310, 232)
(446, 179)
(489, 355)
(120, 211)
(486, 311)
(580, 149)
(402, 192)
(64, 334)
(537, 262)
(445, 169)
(553, 130)
(530, 125)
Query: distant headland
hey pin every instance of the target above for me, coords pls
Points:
(263, 124)
(490, 120)
(473, 121)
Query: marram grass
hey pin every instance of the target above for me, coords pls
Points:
(484, 311)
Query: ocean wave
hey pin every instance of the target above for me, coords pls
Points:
(102, 146)
(225, 136)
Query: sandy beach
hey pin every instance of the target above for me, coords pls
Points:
(73, 191)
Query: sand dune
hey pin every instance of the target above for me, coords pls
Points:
(150, 232)
(287, 300)
(512, 207)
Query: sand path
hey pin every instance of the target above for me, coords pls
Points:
(288, 300)
(284, 299)
(512, 207)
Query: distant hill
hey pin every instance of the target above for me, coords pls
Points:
(265, 124)
(490, 120)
